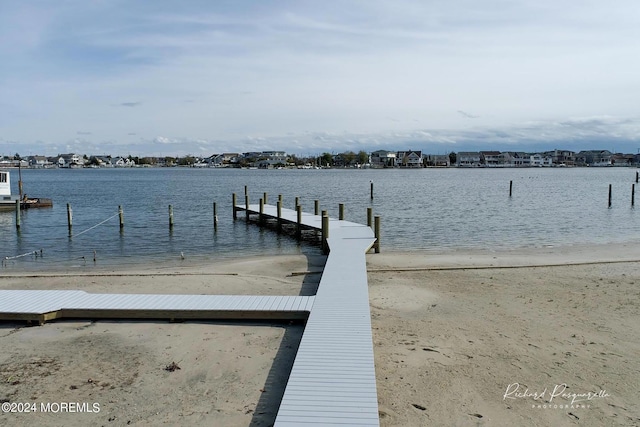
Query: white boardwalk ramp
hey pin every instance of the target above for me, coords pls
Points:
(46, 305)
(333, 379)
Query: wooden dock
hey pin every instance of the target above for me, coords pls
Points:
(333, 379)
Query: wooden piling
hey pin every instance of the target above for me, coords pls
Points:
(264, 197)
(633, 194)
(510, 188)
(233, 202)
(316, 207)
(609, 195)
(637, 176)
(299, 220)
(246, 203)
(170, 216)
(215, 216)
(325, 232)
(69, 217)
(371, 183)
(279, 213)
(18, 214)
(376, 231)
(121, 216)
(246, 190)
(261, 216)
(297, 202)
(370, 217)
(341, 211)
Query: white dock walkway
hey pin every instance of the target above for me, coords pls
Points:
(44, 305)
(333, 379)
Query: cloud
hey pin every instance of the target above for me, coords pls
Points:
(83, 133)
(130, 104)
(467, 115)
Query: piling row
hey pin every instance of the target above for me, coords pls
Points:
(372, 222)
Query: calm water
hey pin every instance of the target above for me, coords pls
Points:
(423, 210)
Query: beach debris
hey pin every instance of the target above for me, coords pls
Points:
(476, 415)
(415, 405)
(173, 366)
(430, 349)
(73, 387)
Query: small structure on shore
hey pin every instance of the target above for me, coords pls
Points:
(9, 201)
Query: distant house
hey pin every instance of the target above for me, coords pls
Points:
(271, 159)
(409, 159)
(516, 159)
(70, 160)
(492, 158)
(122, 162)
(562, 157)
(383, 159)
(222, 160)
(436, 160)
(594, 158)
(540, 160)
(620, 159)
(104, 161)
(468, 159)
(39, 162)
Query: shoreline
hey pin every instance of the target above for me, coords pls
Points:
(451, 333)
(549, 256)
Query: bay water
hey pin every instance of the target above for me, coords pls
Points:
(427, 210)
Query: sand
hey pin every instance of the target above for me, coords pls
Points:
(454, 335)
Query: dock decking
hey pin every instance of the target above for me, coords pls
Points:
(42, 306)
(332, 381)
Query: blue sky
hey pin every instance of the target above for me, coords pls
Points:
(201, 77)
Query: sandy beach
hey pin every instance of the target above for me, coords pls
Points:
(461, 339)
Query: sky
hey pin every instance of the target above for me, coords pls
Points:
(168, 78)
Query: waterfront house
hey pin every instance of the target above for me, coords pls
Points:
(409, 159)
(70, 160)
(594, 158)
(492, 158)
(223, 160)
(383, 159)
(271, 159)
(122, 162)
(620, 159)
(436, 160)
(39, 162)
(515, 159)
(468, 159)
(539, 160)
(562, 157)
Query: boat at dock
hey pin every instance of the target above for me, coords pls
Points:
(8, 201)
